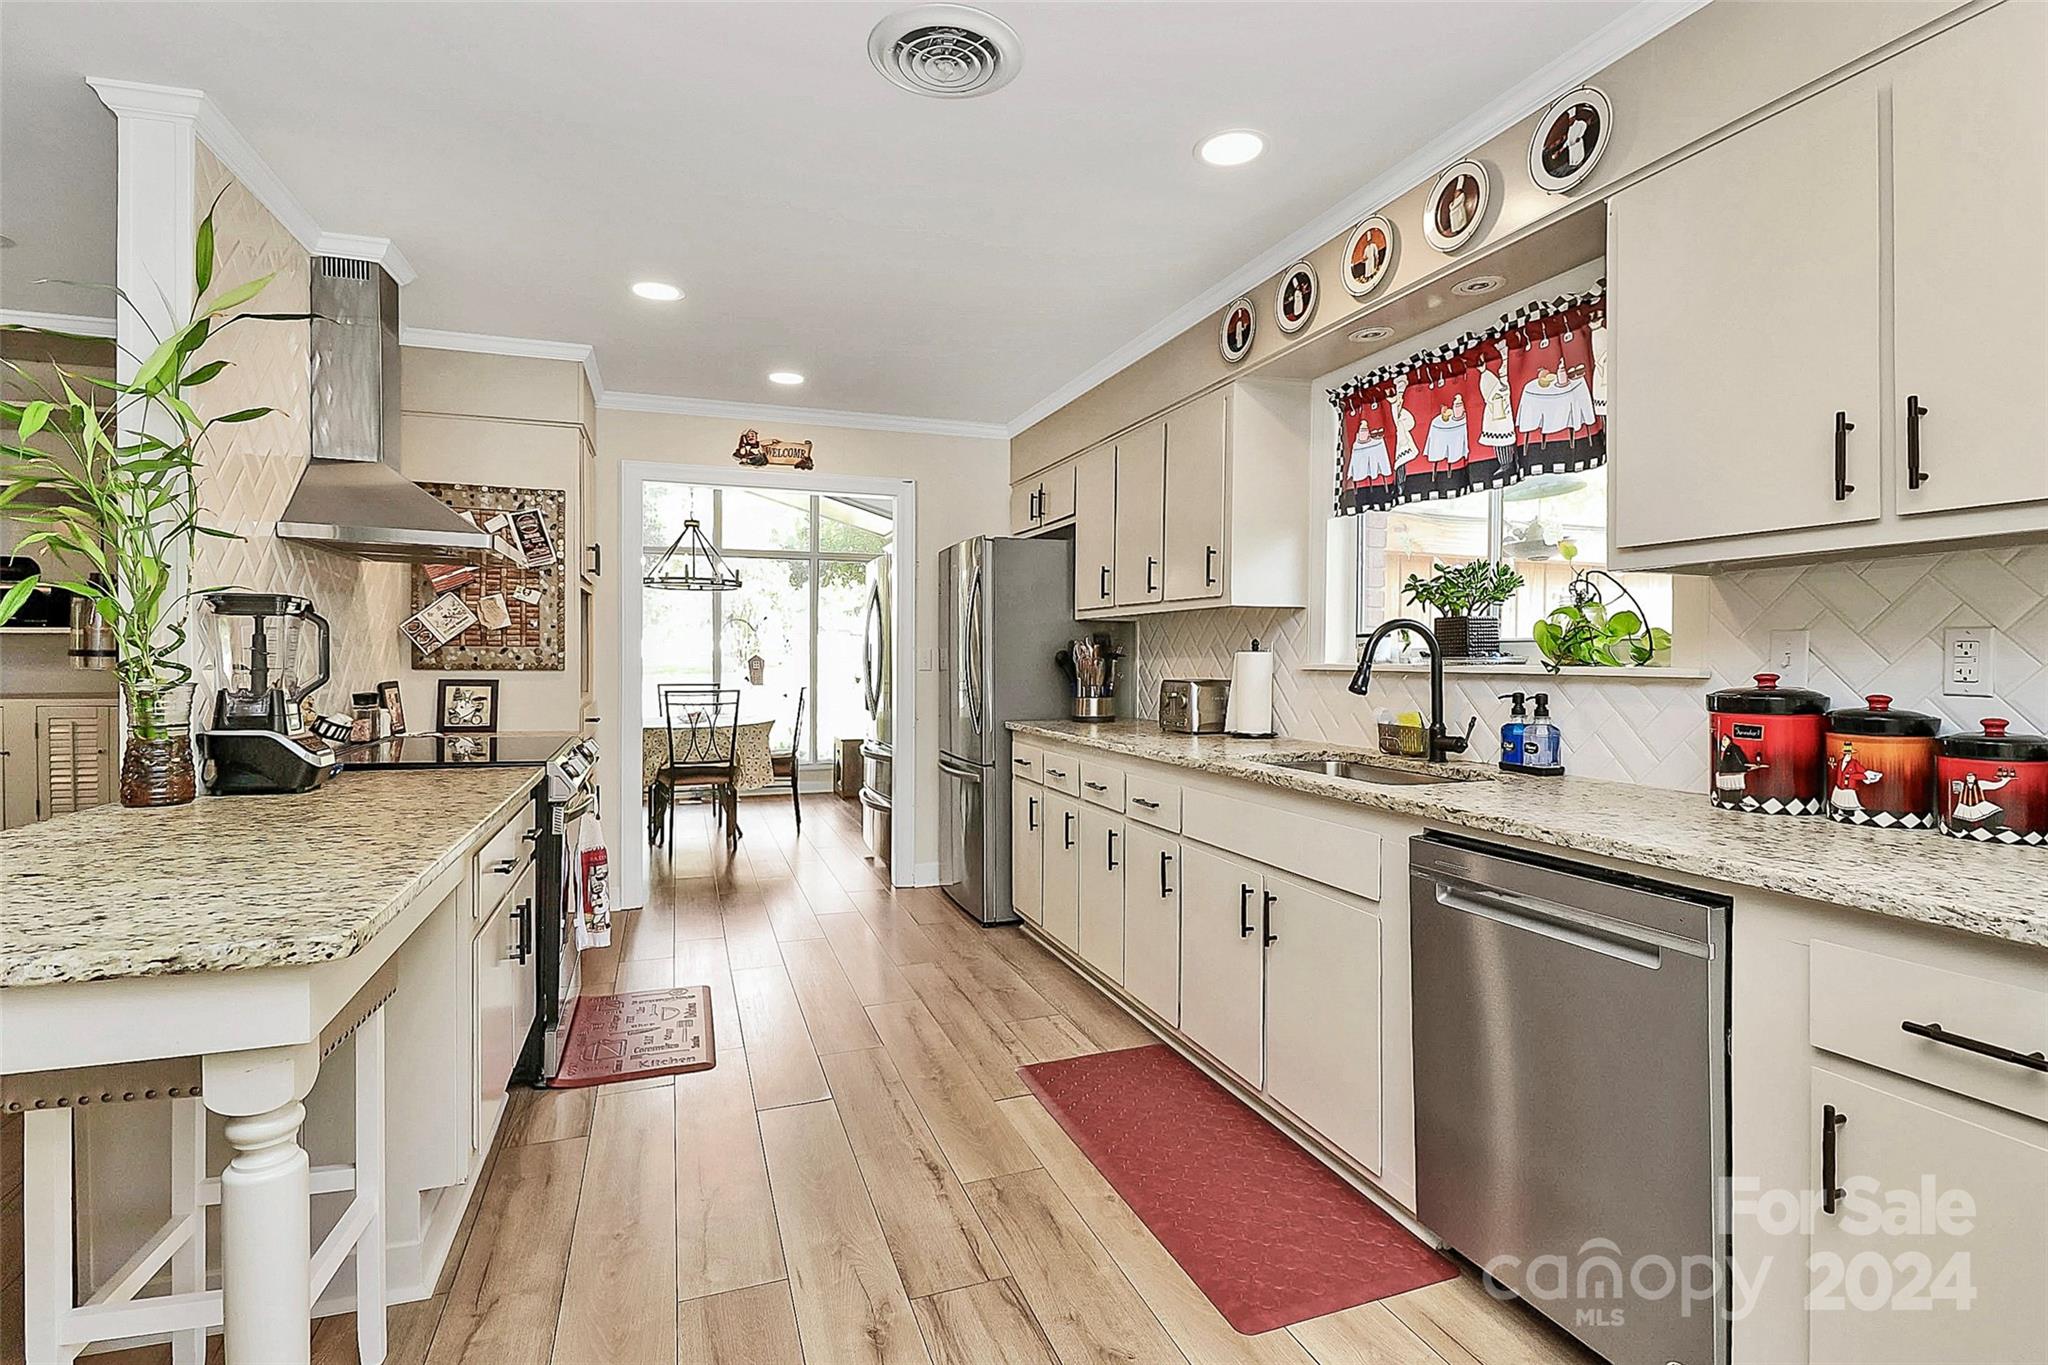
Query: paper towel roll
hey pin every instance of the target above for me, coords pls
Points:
(1250, 712)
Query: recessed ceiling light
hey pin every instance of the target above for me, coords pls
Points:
(1478, 284)
(1232, 148)
(785, 377)
(656, 290)
(1372, 334)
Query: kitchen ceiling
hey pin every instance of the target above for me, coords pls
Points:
(959, 260)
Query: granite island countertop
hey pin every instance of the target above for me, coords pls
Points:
(234, 882)
(1994, 890)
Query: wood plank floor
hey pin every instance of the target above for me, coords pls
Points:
(861, 1178)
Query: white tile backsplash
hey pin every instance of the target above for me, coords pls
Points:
(1875, 626)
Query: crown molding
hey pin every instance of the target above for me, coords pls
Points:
(1623, 35)
(356, 247)
(528, 348)
(825, 417)
(76, 323)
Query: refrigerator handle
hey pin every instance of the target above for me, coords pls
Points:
(972, 669)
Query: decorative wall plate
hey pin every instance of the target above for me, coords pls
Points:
(1295, 302)
(1368, 255)
(1457, 205)
(1240, 323)
(1569, 139)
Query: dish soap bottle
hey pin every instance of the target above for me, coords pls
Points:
(1512, 732)
(1542, 744)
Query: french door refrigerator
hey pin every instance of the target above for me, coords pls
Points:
(1006, 606)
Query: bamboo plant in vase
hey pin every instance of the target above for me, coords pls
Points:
(1467, 599)
(106, 472)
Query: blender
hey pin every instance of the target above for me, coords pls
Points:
(266, 665)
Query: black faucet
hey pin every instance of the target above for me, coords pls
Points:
(1442, 744)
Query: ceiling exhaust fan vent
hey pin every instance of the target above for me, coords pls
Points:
(949, 52)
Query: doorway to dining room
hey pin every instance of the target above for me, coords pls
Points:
(763, 609)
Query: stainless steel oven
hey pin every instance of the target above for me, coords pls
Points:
(566, 798)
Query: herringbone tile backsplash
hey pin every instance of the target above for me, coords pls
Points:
(249, 470)
(1875, 626)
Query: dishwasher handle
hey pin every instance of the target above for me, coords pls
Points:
(1642, 948)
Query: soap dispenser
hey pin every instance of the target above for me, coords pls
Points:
(1542, 744)
(1512, 732)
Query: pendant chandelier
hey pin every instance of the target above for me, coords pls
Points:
(692, 564)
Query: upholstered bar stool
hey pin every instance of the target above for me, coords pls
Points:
(59, 1327)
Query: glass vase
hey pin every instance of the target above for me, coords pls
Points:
(156, 759)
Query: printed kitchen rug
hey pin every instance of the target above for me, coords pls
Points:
(639, 1034)
(1269, 1233)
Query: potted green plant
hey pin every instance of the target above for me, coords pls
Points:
(129, 506)
(1467, 599)
(1586, 633)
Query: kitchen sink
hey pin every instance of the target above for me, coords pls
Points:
(1352, 771)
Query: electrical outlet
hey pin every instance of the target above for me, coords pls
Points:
(1966, 661)
(1790, 657)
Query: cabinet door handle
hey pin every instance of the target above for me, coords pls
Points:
(1914, 412)
(523, 912)
(1244, 911)
(1031, 813)
(1095, 786)
(1150, 565)
(596, 560)
(1266, 919)
(1067, 829)
(1060, 773)
(1843, 426)
(504, 865)
(1112, 851)
(1209, 567)
(1165, 890)
(1935, 1033)
(1105, 582)
(1021, 762)
(1141, 801)
(1831, 1121)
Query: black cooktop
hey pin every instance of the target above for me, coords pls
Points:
(456, 751)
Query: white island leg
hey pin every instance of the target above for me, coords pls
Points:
(265, 1220)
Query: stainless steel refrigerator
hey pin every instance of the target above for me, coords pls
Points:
(1006, 606)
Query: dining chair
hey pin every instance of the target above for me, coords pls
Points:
(785, 764)
(656, 806)
(703, 753)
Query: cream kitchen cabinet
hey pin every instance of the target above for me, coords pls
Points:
(1152, 921)
(503, 983)
(1099, 937)
(57, 755)
(1062, 882)
(1141, 515)
(1044, 501)
(1222, 960)
(1197, 497)
(1095, 532)
(1806, 331)
(1027, 849)
(1323, 1013)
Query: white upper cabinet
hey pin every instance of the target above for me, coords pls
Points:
(1970, 262)
(1141, 514)
(1095, 531)
(1043, 501)
(1196, 494)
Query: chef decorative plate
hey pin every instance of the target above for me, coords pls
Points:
(1295, 303)
(1368, 254)
(1240, 322)
(1569, 139)
(1457, 205)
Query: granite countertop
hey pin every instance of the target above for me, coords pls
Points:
(1995, 890)
(232, 882)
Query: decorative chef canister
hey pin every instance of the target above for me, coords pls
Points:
(1767, 747)
(1881, 765)
(1994, 785)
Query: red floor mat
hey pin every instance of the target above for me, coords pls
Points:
(1265, 1230)
(642, 1033)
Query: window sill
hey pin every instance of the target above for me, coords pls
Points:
(1527, 668)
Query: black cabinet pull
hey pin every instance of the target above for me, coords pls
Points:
(504, 865)
(1150, 565)
(1266, 919)
(1067, 829)
(1843, 426)
(1914, 412)
(1021, 762)
(1209, 567)
(1032, 514)
(1105, 582)
(523, 912)
(1141, 801)
(1030, 813)
(1244, 911)
(1935, 1033)
(1831, 1121)
(1164, 889)
(1112, 851)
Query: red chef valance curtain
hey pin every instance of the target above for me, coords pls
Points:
(1528, 396)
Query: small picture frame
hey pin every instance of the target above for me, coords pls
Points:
(393, 702)
(1569, 139)
(1368, 255)
(1240, 325)
(467, 706)
(1457, 206)
(1294, 303)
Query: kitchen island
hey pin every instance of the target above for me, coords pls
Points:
(236, 931)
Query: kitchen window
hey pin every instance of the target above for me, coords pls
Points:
(802, 562)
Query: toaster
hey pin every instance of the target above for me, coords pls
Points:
(1193, 706)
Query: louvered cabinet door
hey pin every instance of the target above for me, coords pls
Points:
(76, 758)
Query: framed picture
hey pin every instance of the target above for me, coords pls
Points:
(1368, 255)
(468, 706)
(393, 701)
(1240, 324)
(1296, 302)
(1569, 139)
(1457, 205)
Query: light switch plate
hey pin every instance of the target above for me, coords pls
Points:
(1790, 657)
(1966, 661)
(926, 660)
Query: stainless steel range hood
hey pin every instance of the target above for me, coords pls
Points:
(352, 499)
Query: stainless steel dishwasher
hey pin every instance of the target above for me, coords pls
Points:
(1571, 1091)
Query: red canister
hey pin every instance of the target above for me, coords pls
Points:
(1767, 748)
(1994, 786)
(1881, 765)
